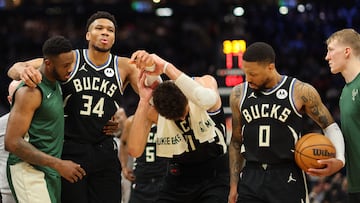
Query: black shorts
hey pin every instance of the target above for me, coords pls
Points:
(146, 190)
(102, 183)
(203, 183)
(277, 183)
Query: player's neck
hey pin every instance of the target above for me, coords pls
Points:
(98, 58)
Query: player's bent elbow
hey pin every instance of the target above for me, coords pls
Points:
(134, 151)
(10, 146)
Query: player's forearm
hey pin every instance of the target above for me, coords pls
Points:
(15, 70)
(123, 155)
(139, 130)
(28, 153)
(235, 162)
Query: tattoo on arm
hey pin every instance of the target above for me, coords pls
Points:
(313, 104)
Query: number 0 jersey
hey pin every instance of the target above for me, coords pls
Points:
(90, 98)
(271, 124)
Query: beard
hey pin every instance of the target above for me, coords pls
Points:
(101, 49)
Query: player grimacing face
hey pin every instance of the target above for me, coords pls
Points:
(257, 75)
(101, 35)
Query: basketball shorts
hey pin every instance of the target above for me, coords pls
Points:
(146, 191)
(272, 183)
(197, 183)
(102, 183)
(31, 185)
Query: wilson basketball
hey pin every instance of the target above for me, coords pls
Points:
(312, 147)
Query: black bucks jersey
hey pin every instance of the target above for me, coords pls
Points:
(90, 98)
(271, 125)
(148, 165)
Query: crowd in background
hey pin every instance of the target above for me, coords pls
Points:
(192, 39)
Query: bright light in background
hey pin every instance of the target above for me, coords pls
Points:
(301, 8)
(141, 6)
(283, 10)
(164, 12)
(238, 11)
(156, 1)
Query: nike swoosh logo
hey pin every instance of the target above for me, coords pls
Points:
(48, 96)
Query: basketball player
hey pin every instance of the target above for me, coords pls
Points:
(5, 192)
(148, 171)
(343, 55)
(267, 114)
(35, 131)
(91, 96)
(190, 132)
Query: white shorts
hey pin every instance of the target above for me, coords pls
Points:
(29, 184)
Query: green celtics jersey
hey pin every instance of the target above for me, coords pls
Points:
(350, 126)
(46, 132)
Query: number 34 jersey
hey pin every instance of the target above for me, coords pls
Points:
(271, 124)
(90, 98)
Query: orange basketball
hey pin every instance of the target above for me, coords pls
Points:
(312, 147)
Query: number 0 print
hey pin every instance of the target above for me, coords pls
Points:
(264, 136)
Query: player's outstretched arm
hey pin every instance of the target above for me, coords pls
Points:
(141, 123)
(27, 71)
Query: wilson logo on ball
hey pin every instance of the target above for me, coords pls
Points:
(321, 152)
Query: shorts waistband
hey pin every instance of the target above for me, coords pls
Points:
(266, 166)
(208, 169)
(140, 180)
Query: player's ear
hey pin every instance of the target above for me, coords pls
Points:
(271, 66)
(87, 36)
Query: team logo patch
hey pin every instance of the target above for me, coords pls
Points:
(109, 72)
(281, 94)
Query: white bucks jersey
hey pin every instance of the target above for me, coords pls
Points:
(198, 151)
(90, 98)
(271, 125)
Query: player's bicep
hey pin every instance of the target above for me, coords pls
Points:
(26, 101)
(313, 105)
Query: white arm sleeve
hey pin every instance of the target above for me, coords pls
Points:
(334, 133)
(201, 96)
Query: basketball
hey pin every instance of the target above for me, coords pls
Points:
(312, 147)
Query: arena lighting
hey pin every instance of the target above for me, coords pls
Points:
(301, 8)
(164, 12)
(284, 10)
(238, 11)
(141, 6)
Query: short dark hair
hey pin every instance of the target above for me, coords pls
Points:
(169, 101)
(259, 52)
(56, 45)
(101, 14)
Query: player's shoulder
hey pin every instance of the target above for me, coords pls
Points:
(124, 62)
(301, 87)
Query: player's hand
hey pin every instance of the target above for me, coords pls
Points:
(31, 76)
(71, 171)
(152, 64)
(111, 127)
(332, 166)
(143, 60)
(128, 174)
(232, 197)
(116, 124)
(145, 92)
